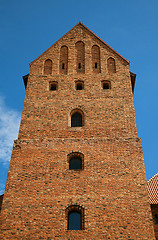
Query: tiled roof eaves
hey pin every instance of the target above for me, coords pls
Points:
(152, 177)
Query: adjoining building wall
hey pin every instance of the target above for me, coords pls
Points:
(152, 187)
(154, 210)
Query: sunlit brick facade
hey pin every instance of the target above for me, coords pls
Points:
(109, 189)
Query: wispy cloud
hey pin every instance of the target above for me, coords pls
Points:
(2, 187)
(9, 126)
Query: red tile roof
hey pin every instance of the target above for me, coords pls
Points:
(152, 186)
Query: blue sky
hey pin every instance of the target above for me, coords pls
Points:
(27, 28)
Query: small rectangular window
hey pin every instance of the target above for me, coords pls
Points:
(106, 85)
(53, 86)
(79, 85)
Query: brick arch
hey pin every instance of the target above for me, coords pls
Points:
(111, 65)
(48, 67)
(63, 65)
(80, 57)
(96, 66)
(79, 112)
(106, 84)
(75, 208)
(77, 155)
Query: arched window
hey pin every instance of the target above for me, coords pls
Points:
(76, 161)
(96, 59)
(80, 57)
(48, 67)
(106, 84)
(111, 65)
(77, 118)
(53, 86)
(79, 85)
(63, 60)
(75, 217)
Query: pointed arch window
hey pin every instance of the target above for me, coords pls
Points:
(63, 60)
(111, 65)
(48, 67)
(80, 57)
(96, 59)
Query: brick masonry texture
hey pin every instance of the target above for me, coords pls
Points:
(112, 186)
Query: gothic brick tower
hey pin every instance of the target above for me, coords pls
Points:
(77, 169)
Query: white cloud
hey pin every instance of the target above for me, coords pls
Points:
(9, 126)
(2, 187)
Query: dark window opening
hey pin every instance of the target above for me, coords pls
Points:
(156, 218)
(75, 217)
(74, 220)
(63, 66)
(76, 120)
(75, 163)
(106, 85)
(95, 65)
(79, 85)
(53, 86)
(79, 66)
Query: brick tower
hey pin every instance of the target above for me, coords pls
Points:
(77, 169)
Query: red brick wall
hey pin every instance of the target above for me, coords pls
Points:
(112, 186)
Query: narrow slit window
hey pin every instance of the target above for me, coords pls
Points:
(63, 66)
(95, 65)
(79, 66)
